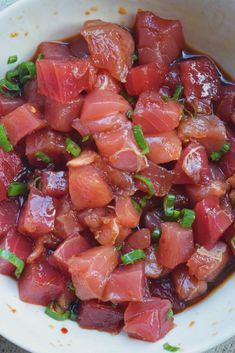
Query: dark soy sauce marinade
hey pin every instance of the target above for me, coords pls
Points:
(163, 286)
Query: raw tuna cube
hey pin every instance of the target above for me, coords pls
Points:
(54, 51)
(154, 115)
(100, 316)
(91, 269)
(126, 284)
(206, 265)
(70, 247)
(22, 122)
(126, 213)
(175, 245)
(227, 162)
(10, 166)
(16, 244)
(211, 221)
(229, 238)
(38, 214)
(226, 106)
(141, 239)
(111, 47)
(40, 283)
(32, 95)
(152, 267)
(157, 39)
(8, 104)
(9, 212)
(148, 320)
(54, 183)
(187, 287)
(106, 82)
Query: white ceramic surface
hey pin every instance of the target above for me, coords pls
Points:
(209, 26)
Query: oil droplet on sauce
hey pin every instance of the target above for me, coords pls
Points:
(94, 8)
(14, 34)
(87, 13)
(64, 330)
(192, 323)
(26, 34)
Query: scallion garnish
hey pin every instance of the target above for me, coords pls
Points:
(129, 113)
(72, 147)
(169, 314)
(40, 56)
(86, 138)
(170, 348)
(16, 189)
(140, 140)
(70, 286)
(165, 98)
(27, 71)
(4, 142)
(215, 156)
(156, 233)
(74, 309)
(12, 59)
(136, 205)
(169, 205)
(9, 89)
(135, 56)
(232, 241)
(41, 156)
(133, 256)
(147, 182)
(178, 92)
(12, 76)
(56, 312)
(119, 247)
(187, 217)
(14, 260)
(37, 182)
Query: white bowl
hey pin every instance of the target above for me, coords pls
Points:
(209, 26)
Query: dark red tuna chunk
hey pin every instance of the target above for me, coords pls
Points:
(54, 183)
(9, 212)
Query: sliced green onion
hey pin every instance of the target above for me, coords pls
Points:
(135, 56)
(165, 98)
(170, 348)
(56, 312)
(168, 205)
(16, 189)
(86, 138)
(37, 182)
(136, 205)
(72, 147)
(178, 92)
(133, 256)
(12, 76)
(14, 260)
(156, 233)
(140, 140)
(42, 157)
(9, 89)
(232, 241)
(119, 247)
(147, 182)
(4, 142)
(27, 71)
(129, 113)
(70, 286)
(187, 217)
(40, 56)
(12, 59)
(143, 202)
(169, 314)
(215, 156)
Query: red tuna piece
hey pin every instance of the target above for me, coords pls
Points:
(8, 104)
(31, 94)
(225, 108)
(175, 245)
(153, 269)
(70, 247)
(111, 47)
(38, 214)
(126, 284)
(100, 316)
(91, 270)
(61, 115)
(40, 283)
(211, 221)
(187, 287)
(206, 265)
(16, 244)
(192, 166)
(157, 39)
(141, 239)
(9, 212)
(10, 166)
(22, 122)
(148, 320)
(143, 78)
(54, 183)
(154, 115)
(106, 82)
(54, 50)
(200, 79)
